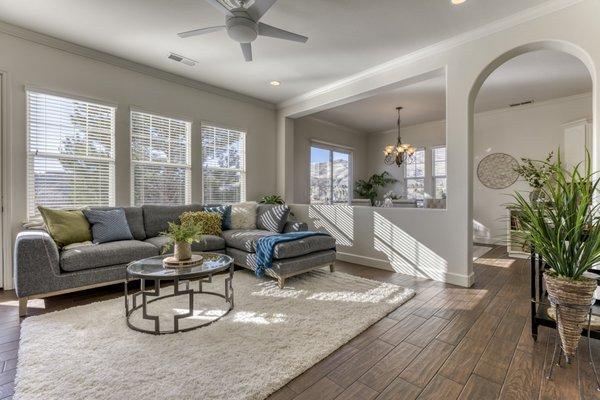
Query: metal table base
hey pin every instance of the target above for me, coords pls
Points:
(190, 292)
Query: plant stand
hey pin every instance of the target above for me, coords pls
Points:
(557, 340)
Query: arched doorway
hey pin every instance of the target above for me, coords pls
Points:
(531, 123)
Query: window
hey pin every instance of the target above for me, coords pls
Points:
(70, 153)
(438, 157)
(414, 176)
(223, 165)
(160, 160)
(330, 175)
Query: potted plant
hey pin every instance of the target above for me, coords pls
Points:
(272, 199)
(182, 236)
(565, 230)
(536, 173)
(368, 189)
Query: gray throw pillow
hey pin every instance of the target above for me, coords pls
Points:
(272, 217)
(108, 226)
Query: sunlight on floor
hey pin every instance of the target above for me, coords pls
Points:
(247, 317)
(495, 262)
(34, 303)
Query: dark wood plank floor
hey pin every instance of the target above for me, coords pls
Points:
(445, 343)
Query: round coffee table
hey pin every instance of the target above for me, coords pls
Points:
(152, 269)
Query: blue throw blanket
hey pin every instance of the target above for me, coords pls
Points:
(265, 247)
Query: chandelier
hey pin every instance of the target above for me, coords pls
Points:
(401, 152)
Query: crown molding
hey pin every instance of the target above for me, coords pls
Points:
(69, 47)
(519, 18)
(334, 124)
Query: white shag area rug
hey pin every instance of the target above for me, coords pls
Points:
(271, 336)
(479, 251)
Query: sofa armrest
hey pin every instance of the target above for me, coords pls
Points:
(35, 263)
(294, 226)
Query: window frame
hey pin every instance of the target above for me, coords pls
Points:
(187, 166)
(420, 178)
(332, 148)
(243, 171)
(434, 176)
(30, 172)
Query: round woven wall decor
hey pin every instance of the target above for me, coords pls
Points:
(497, 171)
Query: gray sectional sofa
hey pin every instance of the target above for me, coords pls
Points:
(41, 269)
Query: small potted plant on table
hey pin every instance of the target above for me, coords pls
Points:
(182, 236)
(565, 230)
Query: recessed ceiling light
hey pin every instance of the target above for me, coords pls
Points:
(458, 1)
(275, 83)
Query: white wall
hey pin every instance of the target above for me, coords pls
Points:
(467, 59)
(528, 131)
(27, 63)
(427, 135)
(307, 129)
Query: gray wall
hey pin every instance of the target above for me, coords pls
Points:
(28, 63)
(308, 128)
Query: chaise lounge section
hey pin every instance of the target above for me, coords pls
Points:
(42, 269)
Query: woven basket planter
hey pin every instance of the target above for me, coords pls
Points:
(573, 299)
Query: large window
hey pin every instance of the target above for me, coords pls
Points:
(330, 175)
(70, 152)
(414, 176)
(438, 157)
(160, 160)
(223, 165)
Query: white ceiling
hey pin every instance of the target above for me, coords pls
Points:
(346, 36)
(538, 76)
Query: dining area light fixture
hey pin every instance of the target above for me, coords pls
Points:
(401, 152)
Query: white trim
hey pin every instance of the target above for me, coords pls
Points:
(72, 96)
(120, 62)
(499, 25)
(336, 125)
(332, 147)
(7, 237)
(451, 278)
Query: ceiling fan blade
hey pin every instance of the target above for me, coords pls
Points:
(271, 31)
(216, 4)
(201, 31)
(247, 50)
(259, 8)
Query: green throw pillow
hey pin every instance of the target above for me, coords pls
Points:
(209, 222)
(66, 227)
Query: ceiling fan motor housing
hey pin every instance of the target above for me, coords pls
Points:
(241, 27)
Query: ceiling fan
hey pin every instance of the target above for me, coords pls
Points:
(242, 25)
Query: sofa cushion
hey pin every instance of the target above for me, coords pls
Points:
(209, 243)
(135, 220)
(272, 217)
(209, 222)
(206, 243)
(243, 215)
(225, 212)
(66, 226)
(246, 240)
(157, 218)
(108, 225)
(105, 254)
(159, 241)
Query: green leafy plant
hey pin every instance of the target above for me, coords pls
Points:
(186, 232)
(369, 189)
(564, 229)
(272, 199)
(535, 172)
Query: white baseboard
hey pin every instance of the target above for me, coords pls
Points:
(451, 278)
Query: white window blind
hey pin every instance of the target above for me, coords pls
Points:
(414, 176)
(223, 165)
(439, 171)
(70, 153)
(161, 165)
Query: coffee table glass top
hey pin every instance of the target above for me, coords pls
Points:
(153, 268)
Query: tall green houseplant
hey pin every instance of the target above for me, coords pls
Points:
(565, 230)
(369, 189)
